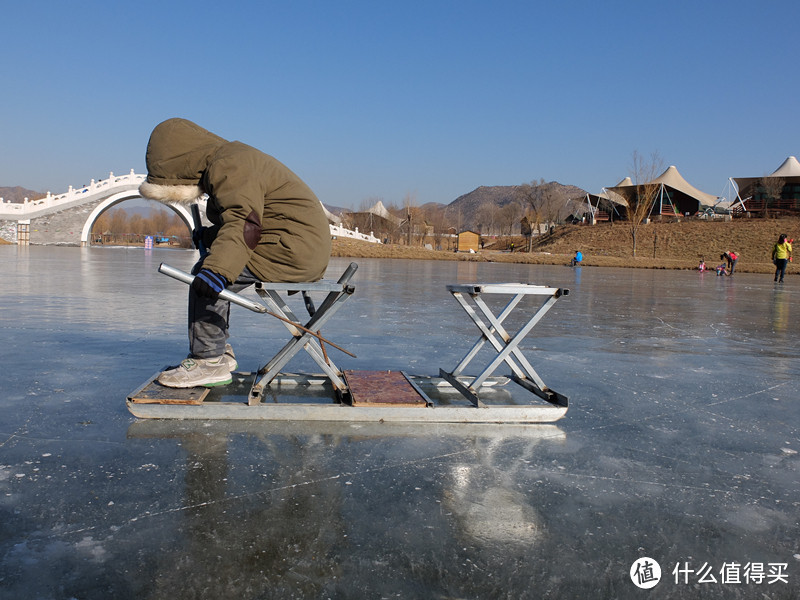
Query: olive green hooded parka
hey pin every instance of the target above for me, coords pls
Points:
(265, 217)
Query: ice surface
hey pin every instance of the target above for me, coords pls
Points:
(681, 443)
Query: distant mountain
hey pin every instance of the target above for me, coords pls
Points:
(500, 195)
(18, 194)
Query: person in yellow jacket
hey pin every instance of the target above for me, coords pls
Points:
(781, 255)
(267, 226)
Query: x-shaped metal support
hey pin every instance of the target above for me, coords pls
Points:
(303, 335)
(505, 344)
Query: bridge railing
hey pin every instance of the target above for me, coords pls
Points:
(31, 208)
(54, 201)
(339, 231)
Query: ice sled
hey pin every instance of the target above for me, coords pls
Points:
(452, 396)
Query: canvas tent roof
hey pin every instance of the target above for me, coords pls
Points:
(614, 196)
(379, 210)
(789, 170)
(610, 196)
(672, 179)
(332, 218)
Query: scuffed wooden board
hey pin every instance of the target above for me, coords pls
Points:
(155, 393)
(382, 388)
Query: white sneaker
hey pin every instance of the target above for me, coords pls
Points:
(230, 358)
(194, 372)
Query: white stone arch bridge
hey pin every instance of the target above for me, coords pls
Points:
(67, 219)
(184, 213)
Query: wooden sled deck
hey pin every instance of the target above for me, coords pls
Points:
(376, 396)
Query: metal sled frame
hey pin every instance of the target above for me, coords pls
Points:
(304, 339)
(507, 347)
(446, 404)
(352, 396)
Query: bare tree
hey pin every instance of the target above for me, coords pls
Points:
(363, 219)
(137, 224)
(530, 194)
(411, 216)
(545, 202)
(556, 206)
(346, 219)
(160, 220)
(527, 232)
(454, 217)
(116, 225)
(772, 188)
(643, 193)
(368, 203)
(101, 225)
(435, 217)
(509, 216)
(486, 216)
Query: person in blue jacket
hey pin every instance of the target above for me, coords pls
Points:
(577, 259)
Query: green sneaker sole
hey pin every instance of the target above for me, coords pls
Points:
(218, 383)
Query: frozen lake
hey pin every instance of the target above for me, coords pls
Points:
(681, 444)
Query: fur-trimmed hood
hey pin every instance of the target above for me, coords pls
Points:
(265, 216)
(179, 152)
(175, 194)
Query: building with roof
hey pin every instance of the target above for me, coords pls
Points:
(675, 197)
(376, 219)
(469, 241)
(608, 205)
(778, 192)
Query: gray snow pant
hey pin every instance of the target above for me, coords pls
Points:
(208, 320)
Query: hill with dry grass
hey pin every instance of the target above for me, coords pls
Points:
(18, 194)
(659, 245)
(469, 205)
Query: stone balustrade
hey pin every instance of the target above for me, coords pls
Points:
(24, 209)
(339, 231)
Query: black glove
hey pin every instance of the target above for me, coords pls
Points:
(208, 284)
(198, 237)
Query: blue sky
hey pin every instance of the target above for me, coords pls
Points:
(432, 99)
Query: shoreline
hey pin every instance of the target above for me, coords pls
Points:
(348, 249)
(673, 245)
(668, 245)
